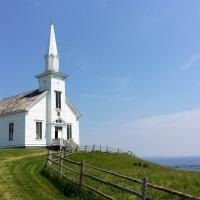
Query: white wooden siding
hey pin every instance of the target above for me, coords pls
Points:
(37, 113)
(70, 118)
(44, 83)
(57, 84)
(19, 130)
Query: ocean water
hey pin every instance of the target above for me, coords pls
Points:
(181, 163)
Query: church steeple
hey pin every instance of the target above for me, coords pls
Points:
(51, 57)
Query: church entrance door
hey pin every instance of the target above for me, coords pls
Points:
(56, 134)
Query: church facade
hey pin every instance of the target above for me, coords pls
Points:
(43, 116)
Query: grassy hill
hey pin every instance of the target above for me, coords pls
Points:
(20, 176)
(183, 181)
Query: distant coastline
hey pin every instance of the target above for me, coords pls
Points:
(180, 162)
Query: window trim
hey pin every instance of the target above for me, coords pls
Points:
(69, 131)
(38, 125)
(58, 99)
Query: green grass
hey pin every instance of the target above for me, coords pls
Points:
(183, 181)
(21, 177)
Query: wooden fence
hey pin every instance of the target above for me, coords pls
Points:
(104, 149)
(59, 157)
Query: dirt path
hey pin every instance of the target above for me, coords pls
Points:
(21, 157)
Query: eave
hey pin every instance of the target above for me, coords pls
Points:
(50, 72)
(14, 112)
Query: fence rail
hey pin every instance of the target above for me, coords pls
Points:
(104, 149)
(58, 158)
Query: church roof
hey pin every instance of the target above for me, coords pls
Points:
(19, 102)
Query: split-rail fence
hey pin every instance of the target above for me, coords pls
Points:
(60, 156)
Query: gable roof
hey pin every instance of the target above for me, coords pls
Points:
(59, 118)
(72, 108)
(19, 102)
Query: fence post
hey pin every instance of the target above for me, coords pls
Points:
(64, 155)
(118, 150)
(100, 148)
(85, 148)
(144, 188)
(107, 148)
(47, 162)
(81, 174)
(61, 162)
(57, 155)
(93, 148)
(49, 158)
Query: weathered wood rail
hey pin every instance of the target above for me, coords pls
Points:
(104, 149)
(58, 158)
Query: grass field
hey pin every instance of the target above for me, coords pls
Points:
(21, 178)
(183, 181)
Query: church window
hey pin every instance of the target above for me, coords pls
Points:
(11, 131)
(58, 128)
(69, 131)
(58, 121)
(58, 99)
(58, 113)
(38, 130)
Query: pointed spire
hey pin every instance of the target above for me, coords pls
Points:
(51, 47)
(51, 57)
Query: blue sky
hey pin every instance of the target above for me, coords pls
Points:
(133, 67)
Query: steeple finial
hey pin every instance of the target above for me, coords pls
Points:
(51, 57)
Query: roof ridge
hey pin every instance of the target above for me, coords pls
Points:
(18, 94)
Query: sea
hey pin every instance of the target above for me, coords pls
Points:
(181, 163)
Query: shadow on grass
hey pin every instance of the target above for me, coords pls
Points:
(68, 188)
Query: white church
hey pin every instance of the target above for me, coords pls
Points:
(43, 117)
